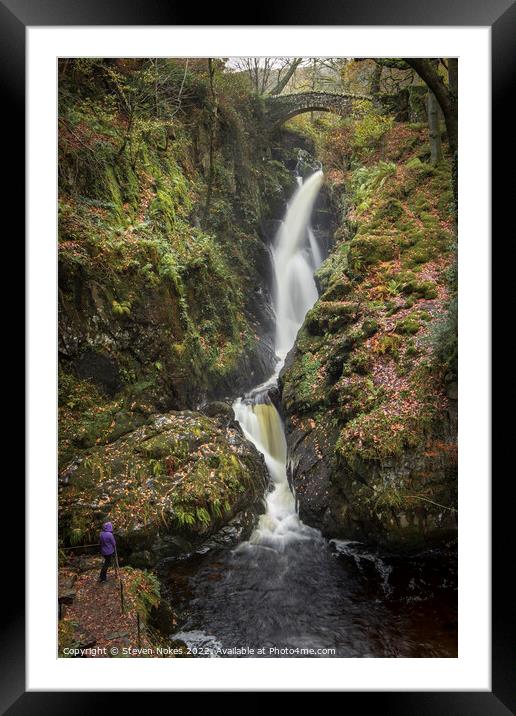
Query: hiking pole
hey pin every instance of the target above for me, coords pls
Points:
(119, 577)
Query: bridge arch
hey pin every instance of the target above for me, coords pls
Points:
(280, 108)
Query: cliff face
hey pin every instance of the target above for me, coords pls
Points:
(369, 390)
(162, 295)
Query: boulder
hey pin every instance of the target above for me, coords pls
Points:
(168, 486)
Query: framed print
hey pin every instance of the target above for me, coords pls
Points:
(258, 263)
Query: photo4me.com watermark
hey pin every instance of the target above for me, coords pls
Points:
(124, 651)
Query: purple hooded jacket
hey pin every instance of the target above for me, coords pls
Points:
(107, 540)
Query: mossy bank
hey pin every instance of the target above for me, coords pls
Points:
(369, 391)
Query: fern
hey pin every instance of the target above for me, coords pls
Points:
(122, 308)
(203, 515)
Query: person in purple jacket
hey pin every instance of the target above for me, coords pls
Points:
(107, 548)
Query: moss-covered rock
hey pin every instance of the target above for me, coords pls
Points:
(329, 315)
(408, 326)
(370, 327)
(420, 289)
(166, 485)
(367, 250)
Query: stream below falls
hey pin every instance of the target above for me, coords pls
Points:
(287, 591)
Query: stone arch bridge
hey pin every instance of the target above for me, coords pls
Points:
(280, 108)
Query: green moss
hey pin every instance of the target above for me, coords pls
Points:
(369, 128)
(382, 435)
(391, 210)
(415, 163)
(411, 350)
(417, 101)
(420, 289)
(370, 327)
(408, 326)
(355, 397)
(360, 362)
(329, 316)
(367, 250)
(389, 345)
(301, 387)
(418, 256)
(338, 354)
(331, 274)
(66, 637)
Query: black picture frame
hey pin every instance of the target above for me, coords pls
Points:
(500, 15)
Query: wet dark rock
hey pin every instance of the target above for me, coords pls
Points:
(270, 228)
(66, 590)
(219, 409)
(236, 531)
(275, 398)
(343, 500)
(101, 369)
(141, 560)
(87, 641)
(162, 618)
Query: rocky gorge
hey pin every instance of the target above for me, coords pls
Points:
(169, 217)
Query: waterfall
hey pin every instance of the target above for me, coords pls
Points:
(314, 248)
(295, 256)
(293, 265)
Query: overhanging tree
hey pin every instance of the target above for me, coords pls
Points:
(446, 95)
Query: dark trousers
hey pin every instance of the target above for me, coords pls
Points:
(108, 559)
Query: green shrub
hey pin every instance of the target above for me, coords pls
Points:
(367, 180)
(369, 129)
(144, 588)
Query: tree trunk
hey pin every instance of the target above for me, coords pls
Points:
(453, 76)
(436, 152)
(284, 81)
(447, 103)
(376, 79)
(453, 82)
(213, 122)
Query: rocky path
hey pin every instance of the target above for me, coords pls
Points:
(93, 623)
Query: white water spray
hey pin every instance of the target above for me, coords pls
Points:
(296, 254)
(294, 262)
(314, 248)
